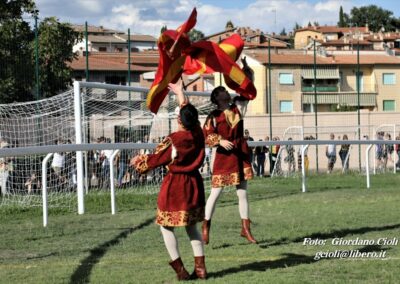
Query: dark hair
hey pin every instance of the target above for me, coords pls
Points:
(189, 116)
(215, 92)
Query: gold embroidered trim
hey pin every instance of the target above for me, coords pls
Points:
(213, 139)
(248, 173)
(225, 180)
(179, 218)
(232, 118)
(163, 145)
(141, 164)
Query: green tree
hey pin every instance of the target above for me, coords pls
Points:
(296, 26)
(163, 29)
(309, 24)
(283, 32)
(16, 70)
(17, 53)
(375, 16)
(343, 19)
(56, 41)
(195, 35)
(229, 25)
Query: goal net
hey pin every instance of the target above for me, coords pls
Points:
(109, 114)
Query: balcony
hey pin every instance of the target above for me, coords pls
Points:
(320, 89)
(367, 99)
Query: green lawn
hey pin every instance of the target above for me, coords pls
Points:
(128, 248)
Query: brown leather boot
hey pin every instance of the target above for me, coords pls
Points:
(205, 229)
(246, 233)
(200, 270)
(181, 272)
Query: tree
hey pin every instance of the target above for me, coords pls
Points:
(16, 70)
(163, 29)
(309, 24)
(315, 24)
(375, 16)
(283, 32)
(343, 19)
(195, 35)
(229, 25)
(296, 26)
(17, 53)
(56, 41)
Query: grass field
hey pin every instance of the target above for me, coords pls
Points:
(128, 248)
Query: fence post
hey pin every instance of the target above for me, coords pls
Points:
(44, 188)
(78, 140)
(112, 184)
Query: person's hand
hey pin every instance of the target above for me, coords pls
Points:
(176, 88)
(227, 145)
(133, 161)
(244, 62)
(247, 70)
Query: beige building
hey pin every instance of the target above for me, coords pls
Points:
(304, 36)
(292, 82)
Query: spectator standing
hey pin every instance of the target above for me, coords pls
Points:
(344, 154)
(331, 154)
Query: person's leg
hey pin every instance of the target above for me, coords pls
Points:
(209, 211)
(171, 243)
(198, 252)
(211, 202)
(241, 191)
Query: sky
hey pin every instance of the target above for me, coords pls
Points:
(148, 16)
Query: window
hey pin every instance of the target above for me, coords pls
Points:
(118, 49)
(103, 49)
(286, 78)
(389, 105)
(389, 78)
(286, 106)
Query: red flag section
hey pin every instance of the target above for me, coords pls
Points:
(178, 55)
(170, 46)
(208, 57)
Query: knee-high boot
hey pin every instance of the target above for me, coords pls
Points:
(205, 229)
(181, 272)
(200, 270)
(246, 233)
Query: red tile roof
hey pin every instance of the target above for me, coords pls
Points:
(117, 62)
(333, 29)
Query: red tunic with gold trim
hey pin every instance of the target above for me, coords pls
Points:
(181, 198)
(230, 167)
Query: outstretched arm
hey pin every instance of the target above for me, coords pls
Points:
(247, 69)
(178, 91)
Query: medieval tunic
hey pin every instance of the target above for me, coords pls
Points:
(181, 198)
(233, 166)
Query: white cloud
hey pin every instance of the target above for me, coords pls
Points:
(148, 16)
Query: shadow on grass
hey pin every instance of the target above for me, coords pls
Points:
(82, 273)
(329, 235)
(288, 260)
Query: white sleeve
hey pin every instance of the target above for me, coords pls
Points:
(242, 106)
(174, 153)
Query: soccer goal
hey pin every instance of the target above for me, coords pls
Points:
(284, 160)
(385, 156)
(91, 113)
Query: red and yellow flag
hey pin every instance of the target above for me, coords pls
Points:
(170, 46)
(208, 57)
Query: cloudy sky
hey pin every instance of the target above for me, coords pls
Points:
(148, 16)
